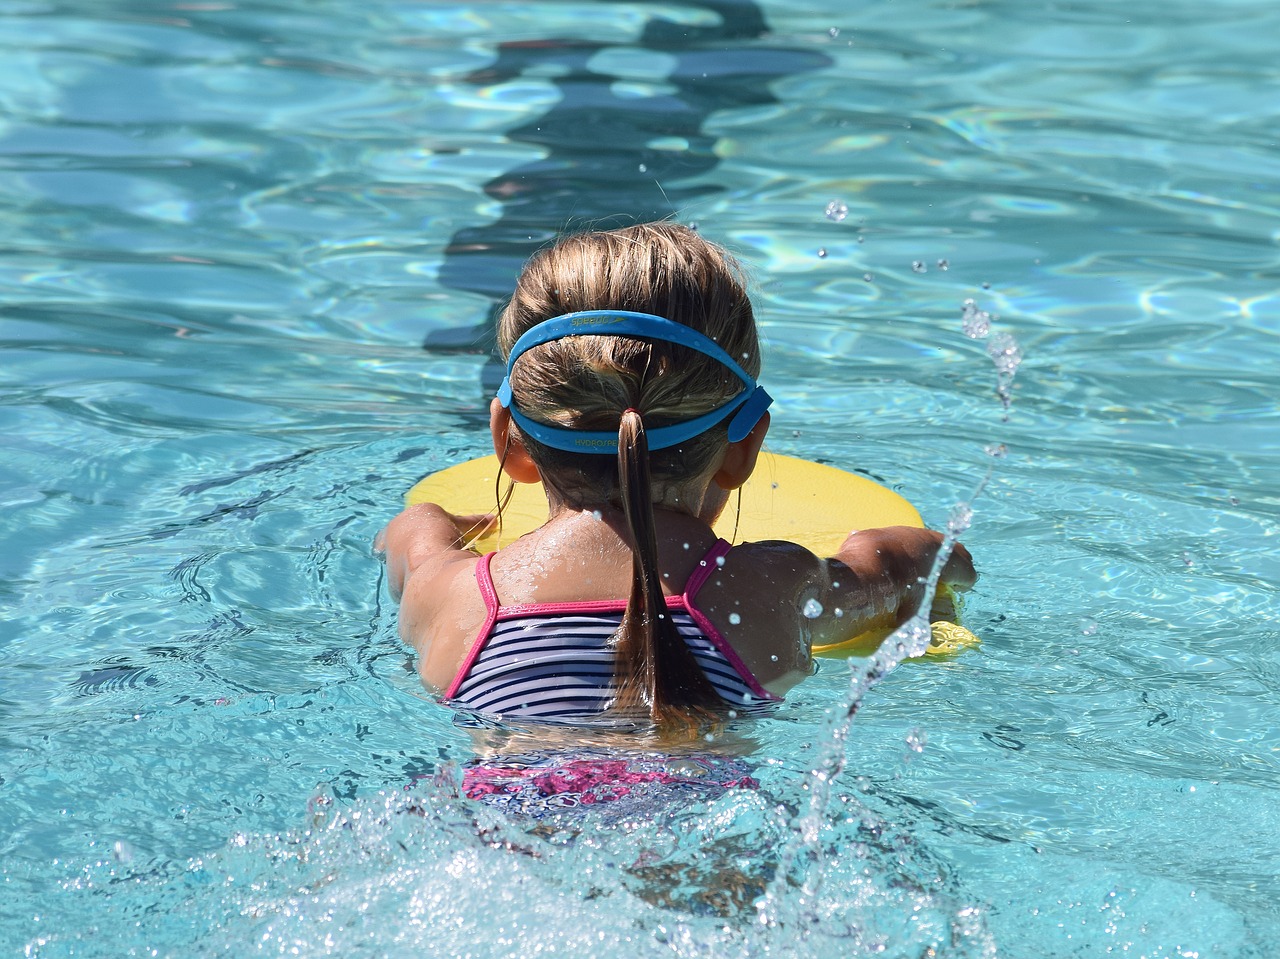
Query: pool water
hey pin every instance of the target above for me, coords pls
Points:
(251, 256)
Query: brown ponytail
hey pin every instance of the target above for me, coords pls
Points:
(655, 669)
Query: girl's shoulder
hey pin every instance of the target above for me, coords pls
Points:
(757, 599)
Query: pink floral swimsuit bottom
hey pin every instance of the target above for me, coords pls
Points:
(538, 784)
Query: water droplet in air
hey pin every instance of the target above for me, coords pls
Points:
(644, 168)
(812, 609)
(597, 514)
(773, 658)
(839, 613)
(734, 619)
(833, 32)
(944, 265)
(976, 323)
(822, 253)
(960, 518)
(837, 210)
(869, 277)
(686, 545)
(1005, 353)
(1088, 625)
(986, 285)
(720, 561)
(916, 740)
(917, 266)
(996, 450)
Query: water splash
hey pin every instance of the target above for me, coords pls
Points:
(1003, 349)
(792, 897)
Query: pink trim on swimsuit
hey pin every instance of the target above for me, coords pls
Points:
(696, 581)
(484, 579)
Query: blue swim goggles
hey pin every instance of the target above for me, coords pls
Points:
(750, 404)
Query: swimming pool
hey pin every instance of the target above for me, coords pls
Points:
(233, 228)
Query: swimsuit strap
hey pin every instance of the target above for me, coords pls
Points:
(708, 565)
(484, 580)
(710, 562)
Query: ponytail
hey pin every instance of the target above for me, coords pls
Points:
(655, 669)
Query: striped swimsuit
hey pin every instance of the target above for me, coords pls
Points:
(553, 661)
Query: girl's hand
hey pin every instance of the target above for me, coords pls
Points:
(879, 574)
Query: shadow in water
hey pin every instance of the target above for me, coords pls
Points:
(615, 153)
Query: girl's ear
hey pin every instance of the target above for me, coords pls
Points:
(740, 458)
(516, 462)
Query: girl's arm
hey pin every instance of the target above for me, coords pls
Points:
(875, 580)
(423, 539)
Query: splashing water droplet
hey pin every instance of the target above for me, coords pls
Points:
(944, 265)
(869, 277)
(833, 32)
(996, 450)
(917, 739)
(822, 253)
(837, 210)
(644, 168)
(976, 323)
(812, 609)
(720, 561)
(734, 619)
(1005, 353)
(960, 518)
(1007, 356)
(918, 266)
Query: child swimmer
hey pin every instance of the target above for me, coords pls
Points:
(632, 356)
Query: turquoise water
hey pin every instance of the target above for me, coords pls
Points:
(232, 228)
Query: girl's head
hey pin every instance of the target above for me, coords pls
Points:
(625, 388)
(586, 382)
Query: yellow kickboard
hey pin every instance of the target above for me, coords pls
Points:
(786, 498)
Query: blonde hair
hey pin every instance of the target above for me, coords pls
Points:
(630, 385)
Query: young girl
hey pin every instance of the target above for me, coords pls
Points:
(630, 393)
